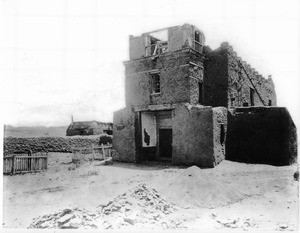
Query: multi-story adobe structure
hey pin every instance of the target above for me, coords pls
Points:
(178, 92)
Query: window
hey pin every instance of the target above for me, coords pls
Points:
(155, 79)
(197, 36)
(232, 101)
(198, 42)
(270, 102)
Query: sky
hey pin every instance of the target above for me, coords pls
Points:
(63, 58)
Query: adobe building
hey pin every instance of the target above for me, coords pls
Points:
(178, 93)
(89, 128)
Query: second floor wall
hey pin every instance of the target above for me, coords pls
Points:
(171, 78)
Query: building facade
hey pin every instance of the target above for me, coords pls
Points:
(177, 93)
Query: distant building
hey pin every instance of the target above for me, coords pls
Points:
(181, 97)
(89, 128)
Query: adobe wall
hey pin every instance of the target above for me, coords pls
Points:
(179, 37)
(239, 84)
(193, 136)
(215, 77)
(124, 131)
(226, 83)
(175, 73)
(13, 145)
(219, 134)
(261, 135)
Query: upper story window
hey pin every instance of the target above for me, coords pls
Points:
(157, 42)
(155, 83)
(198, 41)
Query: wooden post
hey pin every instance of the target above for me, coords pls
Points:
(103, 151)
(13, 164)
(31, 165)
(108, 150)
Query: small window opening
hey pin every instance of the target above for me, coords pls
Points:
(245, 104)
(270, 102)
(198, 41)
(200, 92)
(251, 96)
(155, 83)
(222, 134)
(232, 100)
(197, 36)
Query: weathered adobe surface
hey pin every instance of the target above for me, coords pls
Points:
(124, 135)
(175, 71)
(50, 144)
(261, 135)
(227, 84)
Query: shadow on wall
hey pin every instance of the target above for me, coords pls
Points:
(265, 135)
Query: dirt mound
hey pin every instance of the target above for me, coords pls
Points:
(194, 187)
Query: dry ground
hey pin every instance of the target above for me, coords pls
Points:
(230, 196)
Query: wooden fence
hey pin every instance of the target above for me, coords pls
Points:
(98, 153)
(21, 164)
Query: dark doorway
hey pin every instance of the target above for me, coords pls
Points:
(165, 143)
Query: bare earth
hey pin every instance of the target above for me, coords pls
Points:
(230, 196)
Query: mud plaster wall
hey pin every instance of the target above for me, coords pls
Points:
(50, 144)
(174, 79)
(124, 135)
(174, 70)
(193, 136)
(179, 37)
(239, 84)
(226, 83)
(215, 77)
(219, 118)
(261, 135)
(136, 47)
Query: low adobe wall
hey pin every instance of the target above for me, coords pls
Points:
(124, 135)
(50, 144)
(261, 135)
(196, 135)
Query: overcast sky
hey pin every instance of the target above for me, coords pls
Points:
(65, 57)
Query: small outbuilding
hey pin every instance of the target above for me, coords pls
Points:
(89, 128)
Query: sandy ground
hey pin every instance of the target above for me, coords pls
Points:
(230, 196)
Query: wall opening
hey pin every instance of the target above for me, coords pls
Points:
(165, 143)
(232, 102)
(270, 102)
(198, 41)
(157, 42)
(222, 134)
(155, 85)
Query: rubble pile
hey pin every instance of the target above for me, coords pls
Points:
(138, 208)
(67, 219)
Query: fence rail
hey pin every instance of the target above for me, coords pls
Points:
(98, 152)
(21, 164)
